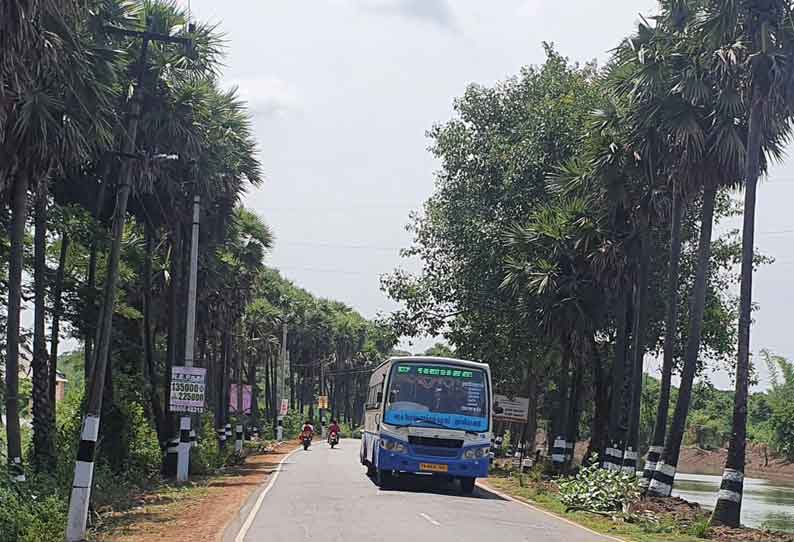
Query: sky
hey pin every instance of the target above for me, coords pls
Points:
(342, 93)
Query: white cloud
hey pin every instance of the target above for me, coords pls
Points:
(267, 96)
(436, 12)
(529, 8)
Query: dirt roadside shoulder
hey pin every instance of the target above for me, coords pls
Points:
(199, 512)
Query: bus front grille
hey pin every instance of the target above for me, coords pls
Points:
(427, 451)
(430, 442)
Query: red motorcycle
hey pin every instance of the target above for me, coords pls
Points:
(333, 439)
(306, 437)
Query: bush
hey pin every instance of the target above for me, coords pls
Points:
(293, 423)
(208, 456)
(598, 490)
(28, 516)
(782, 426)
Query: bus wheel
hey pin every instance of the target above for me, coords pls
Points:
(383, 478)
(467, 485)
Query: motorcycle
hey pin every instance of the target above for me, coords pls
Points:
(306, 437)
(333, 439)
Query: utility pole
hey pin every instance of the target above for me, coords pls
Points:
(322, 394)
(183, 457)
(238, 441)
(279, 384)
(84, 464)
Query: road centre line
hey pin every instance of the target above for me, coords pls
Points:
(431, 520)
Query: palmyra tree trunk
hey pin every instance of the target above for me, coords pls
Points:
(638, 350)
(559, 445)
(43, 421)
(664, 476)
(92, 278)
(19, 212)
(613, 456)
(599, 426)
(728, 510)
(671, 326)
(57, 310)
(574, 411)
(150, 371)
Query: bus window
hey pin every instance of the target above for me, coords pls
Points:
(448, 396)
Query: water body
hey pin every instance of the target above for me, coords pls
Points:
(766, 504)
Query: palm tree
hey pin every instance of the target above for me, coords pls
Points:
(699, 119)
(56, 85)
(764, 27)
(550, 272)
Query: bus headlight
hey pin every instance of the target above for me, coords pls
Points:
(474, 453)
(393, 446)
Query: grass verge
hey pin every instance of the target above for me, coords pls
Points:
(631, 528)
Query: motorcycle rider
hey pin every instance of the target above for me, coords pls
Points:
(333, 428)
(308, 429)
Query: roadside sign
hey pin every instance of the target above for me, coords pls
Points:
(515, 409)
(187, 389)
(284, 407)
(246, 398)
(322, 402)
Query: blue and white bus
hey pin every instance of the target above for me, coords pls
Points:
(428, 415)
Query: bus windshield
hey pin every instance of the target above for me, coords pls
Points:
(448, 396)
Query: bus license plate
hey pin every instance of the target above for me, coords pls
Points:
(433, 467)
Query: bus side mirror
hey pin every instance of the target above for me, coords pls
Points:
(497, 409)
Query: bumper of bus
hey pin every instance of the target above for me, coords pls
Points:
(475, 468)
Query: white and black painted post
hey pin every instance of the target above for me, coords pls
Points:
(171, 449)
(559, 451)
(630, 461)
(228, 431)
(193, 439)
(661, 484)
(83, 477)
(729, 498)
(654, 455)
(238, 441)
(17, 472)
(613, 457)
(221, 437)
(183, 450)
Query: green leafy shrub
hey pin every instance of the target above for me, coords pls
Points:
(27, 515)
(293, 423)
(208, 456)
(700, 528)
(595, 489)
(782, 426)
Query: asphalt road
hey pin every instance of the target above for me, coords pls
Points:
(325, 495)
